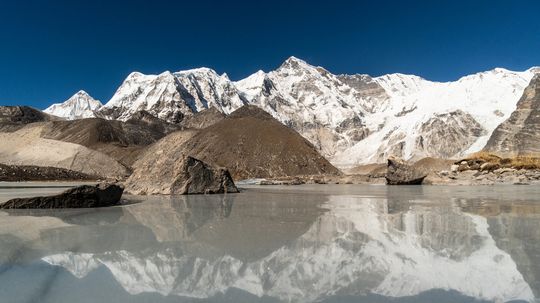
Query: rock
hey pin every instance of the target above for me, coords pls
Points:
(522, 180)
(267, 182)
(295, 181)
(520, 133)
(286, 181)
(463, 167)
(489, 166)
(400, 173)
(501, 171)
(454, 168)
(474, 166)
(444, 173)
(85, 196)
(189, 176)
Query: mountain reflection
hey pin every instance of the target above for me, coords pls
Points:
(296, 246)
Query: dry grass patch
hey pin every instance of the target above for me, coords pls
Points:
(517, 162)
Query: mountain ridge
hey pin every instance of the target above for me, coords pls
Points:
(350, 119)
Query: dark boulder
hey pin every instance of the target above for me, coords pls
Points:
(400, 173)
(197, 177)
(185, 176)
(85, 196)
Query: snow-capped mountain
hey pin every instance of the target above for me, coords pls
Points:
(351, 119)
(438, 119)
(81, 105)
(356, 119)
(171, 96)
(317, 104)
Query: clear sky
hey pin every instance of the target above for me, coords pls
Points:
(51, 49)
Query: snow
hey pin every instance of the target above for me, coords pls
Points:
(480, 95)
(328, 110)
(80, 105)
(169, 94)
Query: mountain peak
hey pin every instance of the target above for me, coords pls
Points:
(534, 70)
(199, 70)
(80, 105)
(294, 59)
(81, 93)
(294, 62)
(134, 75)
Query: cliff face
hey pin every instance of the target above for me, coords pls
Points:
(520, 134)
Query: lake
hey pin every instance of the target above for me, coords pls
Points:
(309, 243)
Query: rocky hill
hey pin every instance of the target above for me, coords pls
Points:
(123, 141)
(520, 133)
(249, 142)
(15, 117)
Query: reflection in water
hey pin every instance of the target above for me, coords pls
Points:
(291, 244)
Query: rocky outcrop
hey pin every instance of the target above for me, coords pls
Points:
(203, 119)
(15, 173)
(187, 176)
(22, 115)
(486, 169)
(13, 118)
(85, 196)
(487, 176)
(520, 134)
(449, 134)
(400, 173)
(154, 124)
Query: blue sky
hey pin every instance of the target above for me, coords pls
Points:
(51, 49)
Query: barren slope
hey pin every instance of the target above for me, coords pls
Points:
(249, 142)
(26, 147)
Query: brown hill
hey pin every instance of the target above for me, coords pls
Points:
(249, 142)
(123, 141)
(153, 123)
(27, 148)
(13, 118)
(203, 119)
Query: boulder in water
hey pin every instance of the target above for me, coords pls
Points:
(190, 176)
(400, 173)
(85, 196)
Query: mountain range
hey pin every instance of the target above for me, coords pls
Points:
(350, 119)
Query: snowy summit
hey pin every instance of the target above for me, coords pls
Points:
(79, 106)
